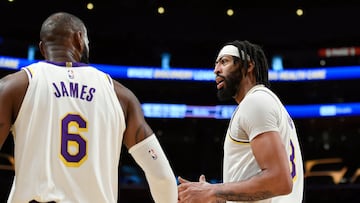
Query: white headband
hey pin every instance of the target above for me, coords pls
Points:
(232, 51)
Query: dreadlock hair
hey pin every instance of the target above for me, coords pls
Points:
(254, 53)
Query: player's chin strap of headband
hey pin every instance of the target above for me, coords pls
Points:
(232, 51)
(150, 156)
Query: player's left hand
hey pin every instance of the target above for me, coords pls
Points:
(196, 192)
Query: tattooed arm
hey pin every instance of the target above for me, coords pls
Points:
(274, 179)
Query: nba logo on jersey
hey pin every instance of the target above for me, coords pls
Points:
(71, 74)
(153, 154)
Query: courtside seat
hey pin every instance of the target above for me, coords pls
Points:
(7, 162)
(325, 170)
(356, 177)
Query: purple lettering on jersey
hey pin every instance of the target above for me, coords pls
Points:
(83, 92)
(74, 90)
(91, 94)
(57, 92)
(64, 90)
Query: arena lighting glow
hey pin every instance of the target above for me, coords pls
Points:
(230, 12)
(90, 6)
(299, 12)
(277, 63)
(31, 52)
(203, 74)
(159, 110)
(165, 60)
(161, 10)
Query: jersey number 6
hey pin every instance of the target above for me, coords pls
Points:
(73, 144)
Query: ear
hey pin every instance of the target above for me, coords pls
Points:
(78, 41)
(41, 47)
(251, 66)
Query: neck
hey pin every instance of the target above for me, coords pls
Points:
(245, 85)
(61, 53)
(61, 59)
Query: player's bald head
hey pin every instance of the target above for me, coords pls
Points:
(61, 23)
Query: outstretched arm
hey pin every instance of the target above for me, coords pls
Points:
(146, 150)
(273, 180)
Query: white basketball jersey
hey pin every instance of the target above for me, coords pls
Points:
(261, 111)
(68, 136)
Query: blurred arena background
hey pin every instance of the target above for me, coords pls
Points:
(170, 35)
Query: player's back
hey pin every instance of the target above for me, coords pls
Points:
(68, 136)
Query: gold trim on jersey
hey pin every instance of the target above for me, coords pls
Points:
(238, 141)
(29, 71)
(68, 64)
(109, 78)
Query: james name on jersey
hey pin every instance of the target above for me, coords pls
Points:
(73, 89)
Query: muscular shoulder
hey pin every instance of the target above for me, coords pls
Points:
(12, 91)
(126, 97)
(259, 112)
(13, 83)
(259, 101)
(123, 93)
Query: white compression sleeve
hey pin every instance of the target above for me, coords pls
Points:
(151, 158)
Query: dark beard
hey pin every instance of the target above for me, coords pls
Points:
(230, 88)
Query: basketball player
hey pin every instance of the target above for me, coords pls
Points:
(262, 157)
(69, 122)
